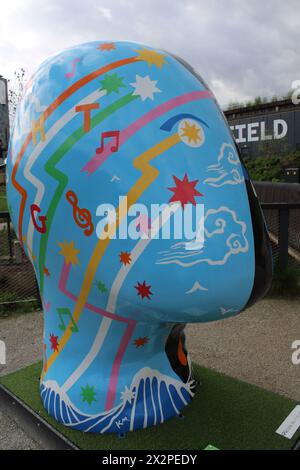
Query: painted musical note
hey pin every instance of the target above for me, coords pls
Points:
(66, 312)
(107, 135)
(73, 70)
(103, 152)
(82, 217)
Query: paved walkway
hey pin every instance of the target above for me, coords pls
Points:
(22, 335)
(12, 437)
(254, 346)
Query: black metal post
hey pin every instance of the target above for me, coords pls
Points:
(283, 236)
(38, 295)
(9, 237)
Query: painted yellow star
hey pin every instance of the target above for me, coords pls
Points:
(152, 57)
(191, 132)
(24, 238)
(69, 252)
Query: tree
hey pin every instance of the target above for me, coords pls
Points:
(16, 87)
(257, 100)
(234, 105)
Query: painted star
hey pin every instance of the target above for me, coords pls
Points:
(101, 286)
(69, 252)
(125, 257)
(141, 341)
(184, 191)
(112, 83)
(151, 57)
(145, 87)
(192, 132)
(108, 46)
(46, 271)
(143, 290)
(128, 395)
(88, 394)
(54, 342)
(33, 257)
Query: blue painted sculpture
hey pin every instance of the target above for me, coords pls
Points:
(128, 194)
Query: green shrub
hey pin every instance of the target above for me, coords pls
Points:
(9, 304)
(3, 203)
(286, 282)
(269, 167)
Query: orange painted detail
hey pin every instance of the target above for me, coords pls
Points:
(18, 187)
(125, 257)
(181, 354)
(53, 106)
(46, 271)
(86, 109)
(141, 341)
(108, 46)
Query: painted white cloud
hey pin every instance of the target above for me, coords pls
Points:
(227, 170)
(225, 236)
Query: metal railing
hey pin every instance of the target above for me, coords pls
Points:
(18, 285)
(283, 223)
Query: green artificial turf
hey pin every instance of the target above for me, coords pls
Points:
(225, 413)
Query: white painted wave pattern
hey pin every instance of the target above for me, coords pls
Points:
(151, 399)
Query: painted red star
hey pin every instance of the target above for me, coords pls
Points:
(143, 290)
(184, 191)
(54, 342)
(46, 271)
(108, 46)
(141, 341)
(125, 257)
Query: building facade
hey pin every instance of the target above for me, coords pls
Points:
(4, 115)
(270, 126)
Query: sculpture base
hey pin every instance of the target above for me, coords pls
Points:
(225, 413)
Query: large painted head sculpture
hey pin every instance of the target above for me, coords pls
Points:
(128, 195)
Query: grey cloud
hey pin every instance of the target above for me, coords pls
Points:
(242, 49)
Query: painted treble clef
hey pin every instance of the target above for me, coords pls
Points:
(83, 216)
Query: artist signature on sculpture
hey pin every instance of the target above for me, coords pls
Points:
(120, 422)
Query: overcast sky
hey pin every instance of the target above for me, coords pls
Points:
(242, 48)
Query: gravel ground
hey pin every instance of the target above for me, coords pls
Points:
(22, 335)
(12, 437)
(254, 346)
